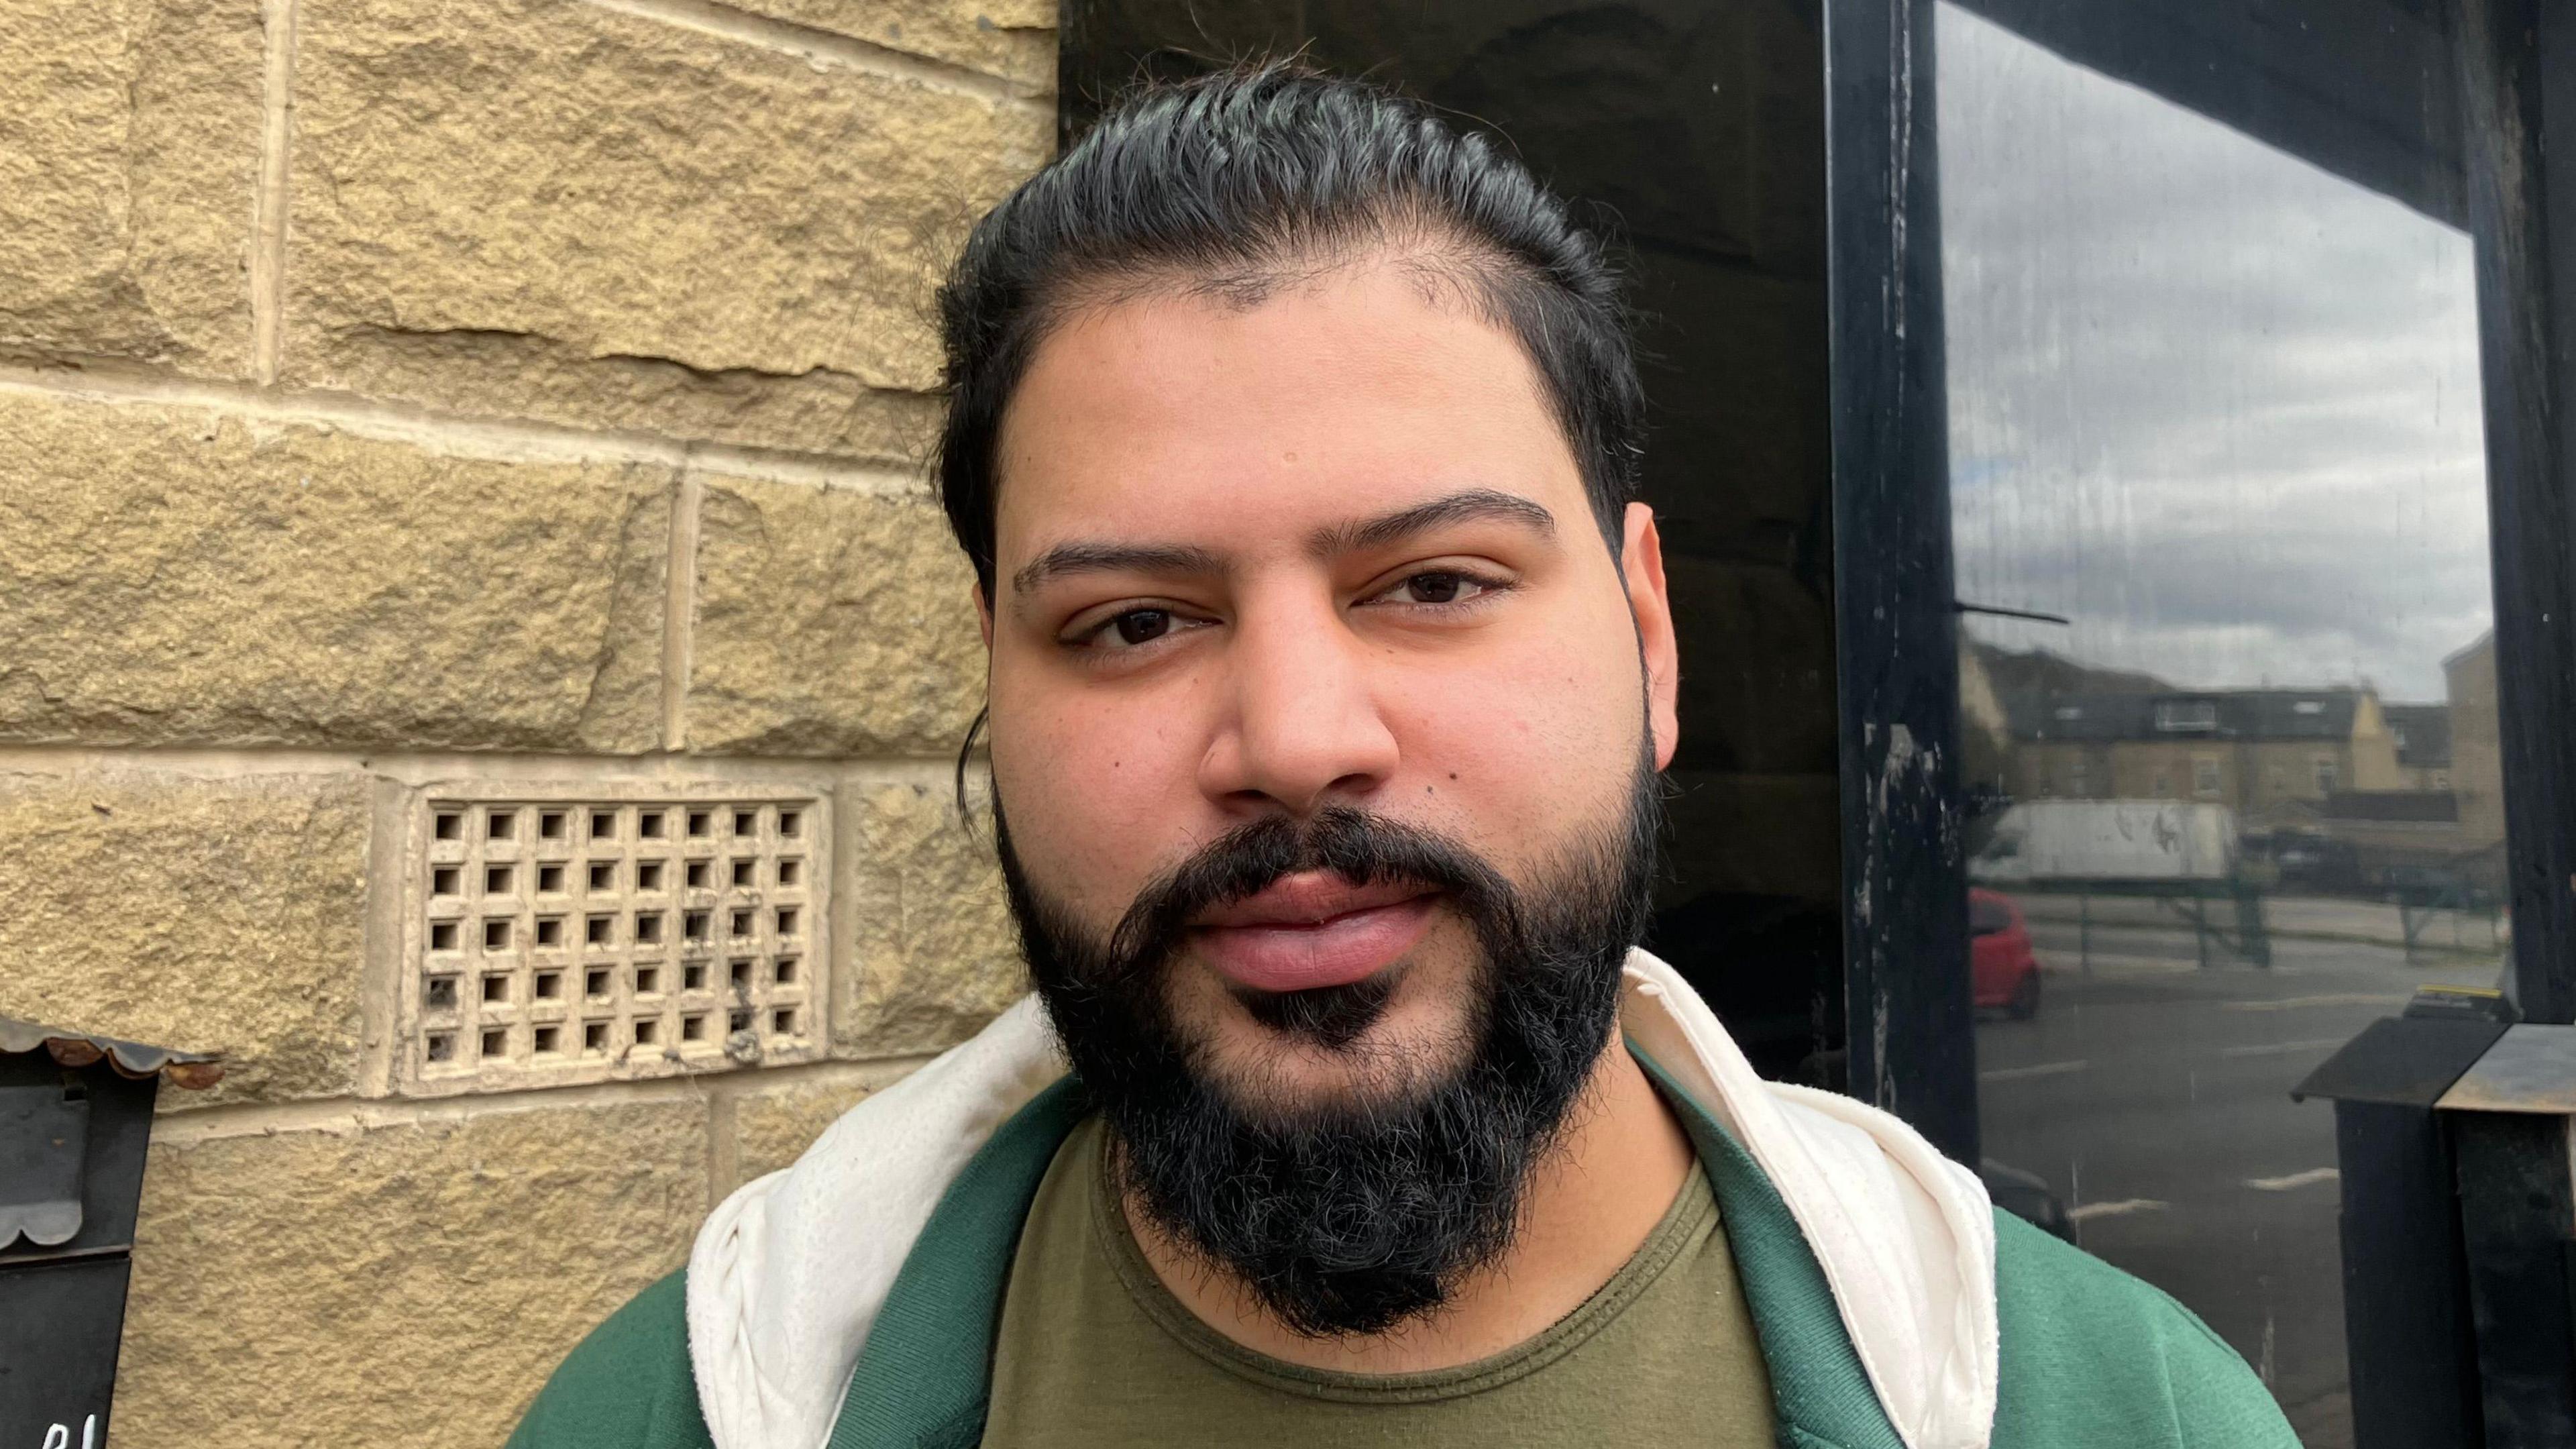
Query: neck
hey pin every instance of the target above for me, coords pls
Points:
(1592, 1201)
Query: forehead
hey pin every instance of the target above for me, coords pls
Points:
(1357, 391)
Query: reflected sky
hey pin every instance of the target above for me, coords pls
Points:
(2214, 404)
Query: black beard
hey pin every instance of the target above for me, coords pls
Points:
(1349, 1218)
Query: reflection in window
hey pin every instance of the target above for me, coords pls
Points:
(2216, 409)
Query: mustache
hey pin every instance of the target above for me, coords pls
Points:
(1362, 848)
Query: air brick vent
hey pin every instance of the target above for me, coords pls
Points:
(583, 939)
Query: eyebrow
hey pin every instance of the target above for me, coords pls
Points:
(1095, 558)
(1467, 505)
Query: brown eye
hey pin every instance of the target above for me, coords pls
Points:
(1141, 626)
(1435, 588)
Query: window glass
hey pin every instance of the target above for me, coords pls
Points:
(2227, 670)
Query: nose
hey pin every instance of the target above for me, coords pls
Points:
(1304, 730)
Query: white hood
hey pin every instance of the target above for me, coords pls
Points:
(789, 1273)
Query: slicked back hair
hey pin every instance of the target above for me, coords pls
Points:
(1234, 184)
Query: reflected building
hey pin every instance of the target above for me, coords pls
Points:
(2330, 789)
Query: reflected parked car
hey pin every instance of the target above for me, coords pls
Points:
(2003, 972)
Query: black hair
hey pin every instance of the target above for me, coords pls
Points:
(1232, 183)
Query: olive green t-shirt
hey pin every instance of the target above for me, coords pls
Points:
(1094, 1351)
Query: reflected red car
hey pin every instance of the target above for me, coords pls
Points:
(2000, 965)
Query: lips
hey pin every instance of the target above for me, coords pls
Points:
(1312, 930)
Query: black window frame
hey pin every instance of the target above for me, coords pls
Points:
(1905, 880)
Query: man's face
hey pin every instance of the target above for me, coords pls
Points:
(1327, 552)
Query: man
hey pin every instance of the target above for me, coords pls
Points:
(1292, 436)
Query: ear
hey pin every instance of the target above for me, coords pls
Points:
(1641, 565)
(984, 617)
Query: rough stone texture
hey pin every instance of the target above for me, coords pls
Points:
(934, 955)
(409, 1284)
(830, 622)
(210, 915)
(557, 210)
(773, 1127)
(172, 576)
(129, 155)
(1012, 39)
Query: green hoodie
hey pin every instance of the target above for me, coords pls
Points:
(2090, 1358)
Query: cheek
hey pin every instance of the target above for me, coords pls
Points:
(1095, 783)
(1517, 751)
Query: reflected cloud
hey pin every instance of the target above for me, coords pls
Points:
(2214, 404)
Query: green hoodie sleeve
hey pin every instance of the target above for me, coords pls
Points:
(627, 1386)
(2092, 1358)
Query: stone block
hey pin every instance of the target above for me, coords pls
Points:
(559, 210)
(129, 158)
(772, 1127)
(216, 915)
(934, 954)
(830, 622)
(174, 576)
(407, 1284)
(1011, 39)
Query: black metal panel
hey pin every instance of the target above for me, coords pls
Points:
(2518, 91)
(1912, 1047)
(2405, 1305)
(59, 1322)
(2401, 1061)
(2516, 1211)
(119, 1109)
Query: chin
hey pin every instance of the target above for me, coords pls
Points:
(1417, 1041)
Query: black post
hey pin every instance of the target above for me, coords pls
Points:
(2518, 92)
(2405, 1311)
(2515, 1206)
(1905, 907)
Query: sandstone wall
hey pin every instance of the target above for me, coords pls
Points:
(416, 401)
